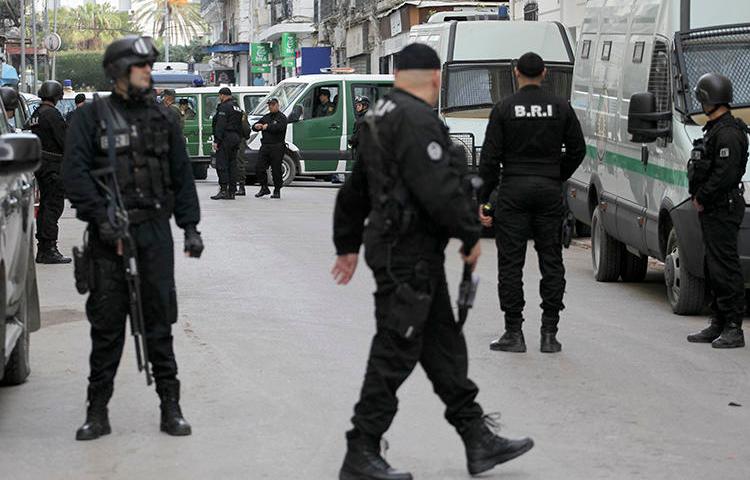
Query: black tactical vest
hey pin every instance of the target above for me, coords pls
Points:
(142, 158)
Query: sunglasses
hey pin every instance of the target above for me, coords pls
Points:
(143, 64)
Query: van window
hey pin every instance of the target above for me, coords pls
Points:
(373, 92)
(658, 79)
(586, 49)
(606, 50)
(313, 105)
(638, 52)
(252, 101)
(209, 106)
(190, 108)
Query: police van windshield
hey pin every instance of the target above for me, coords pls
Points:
(287, 93)
(477, 86)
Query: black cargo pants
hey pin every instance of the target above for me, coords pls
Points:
(720, 225)
(271, 155)
(440, 348)
(107, 307)
(529, 208)
(51, 203)
(226, 159)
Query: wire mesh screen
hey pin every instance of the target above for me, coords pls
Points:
(466, 141)
(475, 85)
(659, 79)
(723, 50)
(558, 80)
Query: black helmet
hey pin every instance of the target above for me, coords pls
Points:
(714, 89)
(10, 98)
(362, 99)
(126, 52)
(51, 90)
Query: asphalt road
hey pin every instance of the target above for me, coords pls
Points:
(272, 354)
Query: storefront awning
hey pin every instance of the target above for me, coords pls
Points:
(274, 32)
(241, 47)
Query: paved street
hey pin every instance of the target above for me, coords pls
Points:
(272, 354)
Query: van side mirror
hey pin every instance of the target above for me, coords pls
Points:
(643, 119)
(296, 114)
(19, 152)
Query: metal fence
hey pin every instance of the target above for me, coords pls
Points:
(466, 141)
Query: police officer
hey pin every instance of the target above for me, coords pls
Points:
(361, 105)
(717, 166)
(155, 180)
(9, 97)
(524, 140)
(272, 148)
(169, 98)
(227, 128)
(79, 101)
(408, 184)
(48, 124)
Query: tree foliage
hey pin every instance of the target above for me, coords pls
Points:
(185, 20)
(83, 68)
(92, 26)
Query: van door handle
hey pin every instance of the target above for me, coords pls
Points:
(334, 126)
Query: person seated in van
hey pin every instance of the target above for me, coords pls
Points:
(325, 107)
(185, 110)
(168, 98)
(79, 101)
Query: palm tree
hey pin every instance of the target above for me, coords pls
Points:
(91, 26)
(185, 21)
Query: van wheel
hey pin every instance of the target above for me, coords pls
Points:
(633, 268)
(606, 251)
(582, 230)
(288, 171)
(686, 293)
(200, 170)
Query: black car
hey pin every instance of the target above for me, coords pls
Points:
(20, 155)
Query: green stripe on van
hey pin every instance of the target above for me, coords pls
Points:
(657, 172)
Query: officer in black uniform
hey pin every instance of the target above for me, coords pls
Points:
(361, 105)
(408, 185)
(79, 101)
(272, 148)
(523, 146)
(715, 170)
(155, 180)
(9, 97)
(48, 124)
(227, 128)
(325, 107)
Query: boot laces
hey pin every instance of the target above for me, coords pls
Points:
(492, 421)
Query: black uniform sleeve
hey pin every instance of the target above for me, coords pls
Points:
(58, 127)
(186, 206)
(279, 126)
(263, 120)
(80, 188)
(221, 123)
(575, 145)
(352, 208)
(433, 181)
(726, 171)
(492, 155)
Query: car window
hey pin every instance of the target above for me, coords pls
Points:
(66, 105)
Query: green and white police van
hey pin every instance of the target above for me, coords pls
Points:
(637, 63)
(317, 145)
(201, 108)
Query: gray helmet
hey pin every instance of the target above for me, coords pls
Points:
(51, 90)
(714, 89)
(9, 97)
(363, 100)
(126, 52)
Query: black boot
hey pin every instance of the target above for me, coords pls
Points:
(263, 192)
(549, 343)
(512, 340)
(223, 193)
(49, 254)
(363, 460)
(172, 421)
(97, 419)
(276, 193)
(708, 334)
(731, 337)
(240, 192)
(485, 449)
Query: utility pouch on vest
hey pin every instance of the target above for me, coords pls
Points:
(409, 311)
(83, 269)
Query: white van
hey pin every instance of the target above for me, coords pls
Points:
(634, 194)
(478, 58)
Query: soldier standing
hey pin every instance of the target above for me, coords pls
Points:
(717, 166)
(407, 184)
(48, 124)
(155, 179)
(525, 137)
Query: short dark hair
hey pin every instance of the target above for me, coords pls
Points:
(417, 56)
(530, 65)
(80, 98)
(225, 91)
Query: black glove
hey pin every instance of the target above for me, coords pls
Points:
(193, 241)
(107, 233)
